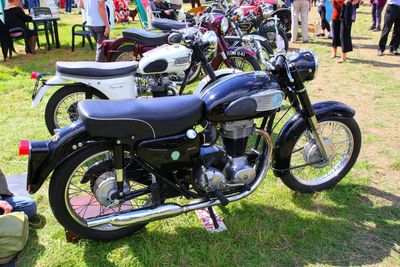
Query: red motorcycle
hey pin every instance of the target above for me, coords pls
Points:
(135, 42)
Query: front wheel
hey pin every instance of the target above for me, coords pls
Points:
(61, 110)
(308, 172)
(241, 63)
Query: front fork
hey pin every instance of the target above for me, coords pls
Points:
(308, 112)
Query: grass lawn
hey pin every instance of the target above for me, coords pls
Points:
(356, 223)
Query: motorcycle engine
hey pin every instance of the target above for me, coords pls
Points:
(235, 171)
(160, 85)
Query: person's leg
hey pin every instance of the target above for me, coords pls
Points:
(322, 21)
(305, 5)
(25, 204)
(335, 37)
(345, 40)
(395, 41)
(100, 37)
(378, 18)
(295, 19)
(373, 13)
(387, 26)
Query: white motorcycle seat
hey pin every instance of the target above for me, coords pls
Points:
(97, 70)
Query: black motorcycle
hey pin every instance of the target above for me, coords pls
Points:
(121, 166)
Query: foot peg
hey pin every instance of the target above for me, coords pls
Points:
(221, 197)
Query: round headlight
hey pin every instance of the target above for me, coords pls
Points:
(224, 25)
(210, 37)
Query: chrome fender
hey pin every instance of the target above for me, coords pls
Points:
(255, 37)
(54, 81)
(207, 79)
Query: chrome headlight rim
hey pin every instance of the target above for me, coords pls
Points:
(316, 61)
(224, 25)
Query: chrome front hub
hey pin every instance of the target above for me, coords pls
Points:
(312, 154)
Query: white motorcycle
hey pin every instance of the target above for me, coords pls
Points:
(156, 74)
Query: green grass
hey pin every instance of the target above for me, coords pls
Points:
(356, 223)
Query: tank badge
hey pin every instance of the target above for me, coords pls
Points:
(175, 155)
(191, 134)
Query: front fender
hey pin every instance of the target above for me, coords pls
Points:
(45, 156)
(295, 126)
(218, 74)
(110, 47)
(53, 81)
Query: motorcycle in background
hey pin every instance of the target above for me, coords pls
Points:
(156, 74)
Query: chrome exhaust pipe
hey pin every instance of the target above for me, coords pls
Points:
(168, 210)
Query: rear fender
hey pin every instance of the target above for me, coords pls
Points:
(53, 81)
(294, 127)
(45, 156)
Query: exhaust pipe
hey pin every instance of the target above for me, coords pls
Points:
(168, 210)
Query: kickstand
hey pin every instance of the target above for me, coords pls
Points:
(213, 217)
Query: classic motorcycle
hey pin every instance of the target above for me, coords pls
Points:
(260, 19)
(163, 71)
(121, 166)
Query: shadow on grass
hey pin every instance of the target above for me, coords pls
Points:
(351, 231)
(374, 63)
(32, 255)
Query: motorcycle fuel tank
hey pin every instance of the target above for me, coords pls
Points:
(241, 96)
(165, 59)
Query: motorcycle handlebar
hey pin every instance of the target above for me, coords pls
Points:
(279, 62)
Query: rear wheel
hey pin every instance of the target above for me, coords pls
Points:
(80, 190)
(61, 110)
(125, 53)
(308, 172)
(241, 63)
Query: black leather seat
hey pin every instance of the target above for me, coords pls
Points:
(140, 118)
(97, 69)
(167, 24)
(145, 37)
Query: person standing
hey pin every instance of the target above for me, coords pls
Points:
(342, 20)
(97, 18)
(324, 22)
(377, 7)
(68, 6)
(300, 8)
(392, 16)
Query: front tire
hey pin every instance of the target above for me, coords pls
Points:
(61, 110)
(241, 63)
(66, 200)
(341, 135)
(270, 33)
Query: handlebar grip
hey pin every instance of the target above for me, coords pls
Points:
(280, 62)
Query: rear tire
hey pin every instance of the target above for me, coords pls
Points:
(61, 181)
(125, 54)
(56, 100)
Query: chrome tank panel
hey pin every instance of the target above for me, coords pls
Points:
(236, 96)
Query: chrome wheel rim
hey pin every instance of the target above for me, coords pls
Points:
(81, 201)
(334, 133)
(238, 63)
(126, 56)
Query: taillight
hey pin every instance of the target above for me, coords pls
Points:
(34, 75)
(104, 43)
(24, 147)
